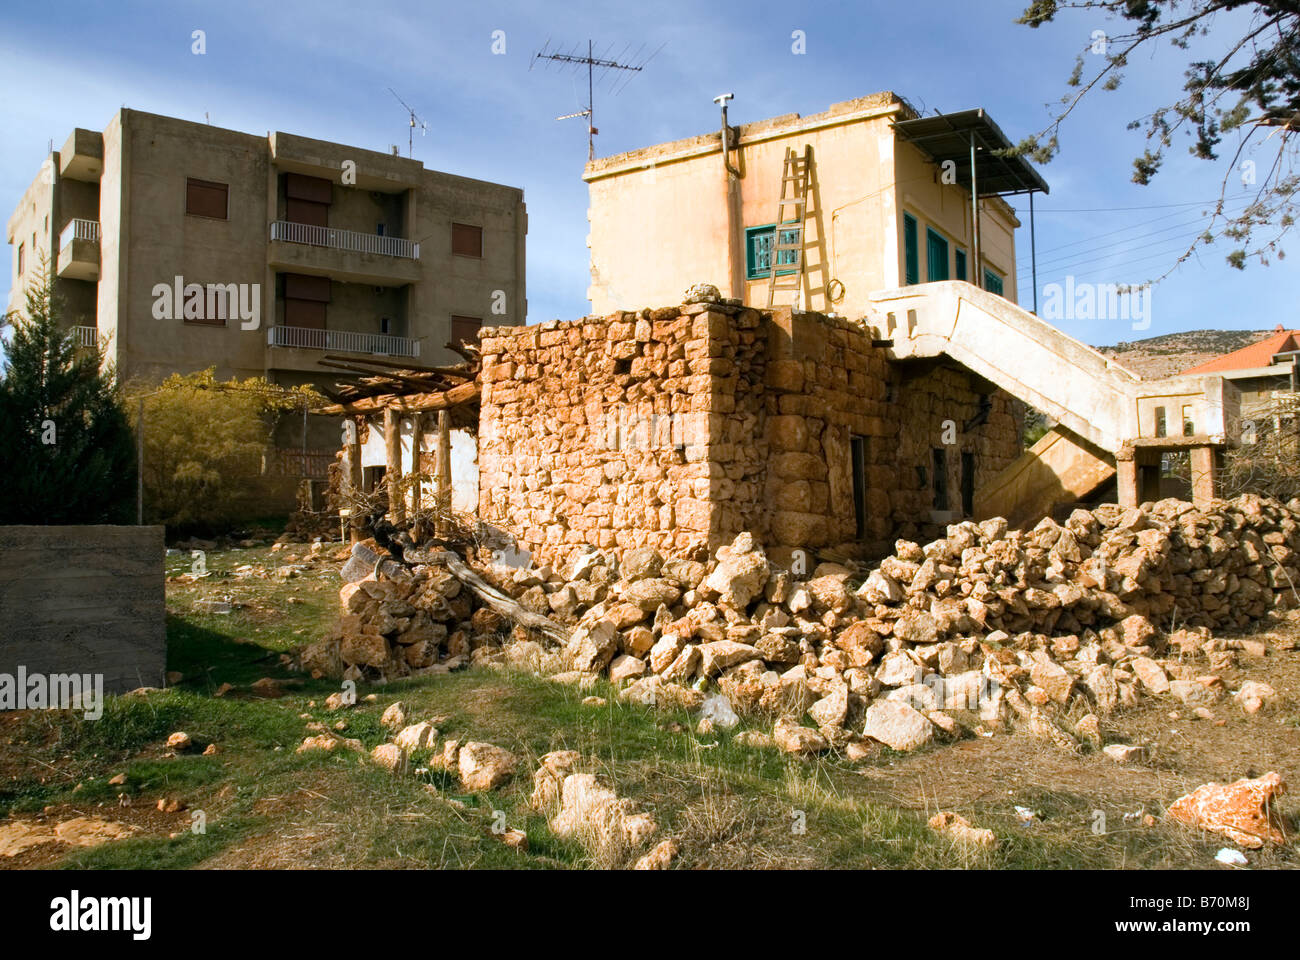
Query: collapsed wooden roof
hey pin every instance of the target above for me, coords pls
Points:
(405, 387)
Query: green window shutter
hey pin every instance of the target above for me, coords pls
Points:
(912, 259)
(758, 251)
(936, 256)
(960, 258)
(992, 282)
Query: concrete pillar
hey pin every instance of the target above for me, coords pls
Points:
(1126, 479)
(1204, 477)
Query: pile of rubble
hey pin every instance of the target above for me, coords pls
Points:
(1013, 625)
(426, 621)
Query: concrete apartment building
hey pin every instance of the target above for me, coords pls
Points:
(882, 210)
(300, 247)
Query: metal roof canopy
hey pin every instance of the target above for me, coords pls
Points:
(948, 136)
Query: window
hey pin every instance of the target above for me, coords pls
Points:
(305, 300)
(1189, 427)
(21, 259)
(858, 456)
(960, 257)
(307, 199)
(936, 256)
(912, 259)
(940, 479)
(466, 240)
(1161, 425)
(968, 483)
(465, 329)
(211, 307)
(203, 198)
(992, 282)
(758, 252)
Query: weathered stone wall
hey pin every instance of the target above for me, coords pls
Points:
(826, 384)
(86, 600)
(600, 431)
(925, 406)
(682, 427)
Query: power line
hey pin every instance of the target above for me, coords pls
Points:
(1157, 206)
(1121, 247)
(1135, 226)
(1082, 268)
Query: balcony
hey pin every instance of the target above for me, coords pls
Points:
(79, 250)
(82, 156)
(344, 240)
(345, 341)
(343, 254)
(85, 336)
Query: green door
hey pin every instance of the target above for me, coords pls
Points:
(936, 256)
(911, 265)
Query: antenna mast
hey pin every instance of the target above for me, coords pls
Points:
(591, 61)
(414, 121)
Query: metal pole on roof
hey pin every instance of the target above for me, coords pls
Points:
(975, 216)
(1033, 250)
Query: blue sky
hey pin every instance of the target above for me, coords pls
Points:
(323, 69)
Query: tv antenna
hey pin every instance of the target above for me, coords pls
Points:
(593, 63)
(414, 122)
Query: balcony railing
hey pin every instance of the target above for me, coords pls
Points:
(79, 230)
(344, 240)
(309, 338)
(85, 336)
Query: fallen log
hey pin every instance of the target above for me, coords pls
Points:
(499, 601)
(364, 561)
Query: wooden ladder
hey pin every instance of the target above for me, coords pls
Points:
(794, 193)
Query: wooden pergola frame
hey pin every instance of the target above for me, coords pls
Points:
(392, 390)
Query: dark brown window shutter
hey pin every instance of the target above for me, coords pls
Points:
(304, 211)
(203, 198)
(466, 241)
(301, 286)
(304, 313)
(297, 186)
(465, 329)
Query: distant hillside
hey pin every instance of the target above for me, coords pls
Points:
(1172, 353)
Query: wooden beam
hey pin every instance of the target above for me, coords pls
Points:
(444, 471)
(353, 474)
(463, 350)
(388, 377)
(393, 464)
(433, 401)
(417, 448)
(454, 371)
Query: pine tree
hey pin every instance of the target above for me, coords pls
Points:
(69, 448)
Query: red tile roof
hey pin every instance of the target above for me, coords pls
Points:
(1256, 355)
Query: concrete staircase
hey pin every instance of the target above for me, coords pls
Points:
(1107, 416)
